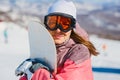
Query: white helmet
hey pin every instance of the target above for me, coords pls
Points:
(63, 6)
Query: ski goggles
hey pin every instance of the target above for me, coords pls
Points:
(62, 21)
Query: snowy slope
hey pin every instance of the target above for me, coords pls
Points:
(106, 66)
(110, 54)
(13, 52)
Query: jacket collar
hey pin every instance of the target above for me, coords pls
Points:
(66, 44)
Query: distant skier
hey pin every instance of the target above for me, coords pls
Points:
(5, 33)
(104, 48)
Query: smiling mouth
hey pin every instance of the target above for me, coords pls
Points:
(57, 36)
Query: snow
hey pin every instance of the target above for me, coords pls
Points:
(106, 66)
(13, 52)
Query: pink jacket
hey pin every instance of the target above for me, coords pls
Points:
(70, 71)
(74, 63)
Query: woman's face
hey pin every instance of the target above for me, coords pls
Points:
(59, 36)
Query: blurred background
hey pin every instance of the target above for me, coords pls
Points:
(100, 18)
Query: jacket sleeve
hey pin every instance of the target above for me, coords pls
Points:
(70, 71)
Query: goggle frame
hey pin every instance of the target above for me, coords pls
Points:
(71, 26)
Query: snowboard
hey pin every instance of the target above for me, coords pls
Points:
(41, 44)
(42, 51)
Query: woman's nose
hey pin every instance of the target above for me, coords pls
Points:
(58, 30)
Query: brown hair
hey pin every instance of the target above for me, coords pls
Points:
(88, 44)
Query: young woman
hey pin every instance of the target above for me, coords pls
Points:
(73, 49)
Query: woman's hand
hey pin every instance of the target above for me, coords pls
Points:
(28, 67)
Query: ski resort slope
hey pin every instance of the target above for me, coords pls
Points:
(14, 51)
(106, 66)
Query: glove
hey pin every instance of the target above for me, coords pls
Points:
(37, 63)
(29, 66)
(23, 69)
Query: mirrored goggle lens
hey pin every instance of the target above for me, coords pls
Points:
(53, 21)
